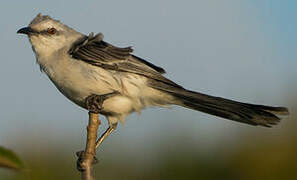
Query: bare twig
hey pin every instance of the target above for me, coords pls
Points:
(86, 158)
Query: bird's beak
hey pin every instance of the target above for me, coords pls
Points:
(26, 30)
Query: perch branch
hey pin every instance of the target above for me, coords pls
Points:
(86, 158)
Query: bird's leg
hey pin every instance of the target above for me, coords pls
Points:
(110, 129)
(94, 102)
(94, 105)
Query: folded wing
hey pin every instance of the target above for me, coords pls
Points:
(93, 50)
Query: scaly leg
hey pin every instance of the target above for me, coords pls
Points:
(110, 129)
(94, 104)
(87, 158)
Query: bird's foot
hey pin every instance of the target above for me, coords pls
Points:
(94, 102)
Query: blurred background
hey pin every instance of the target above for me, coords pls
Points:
(243, 50)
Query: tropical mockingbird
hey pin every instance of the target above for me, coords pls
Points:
(109, 80)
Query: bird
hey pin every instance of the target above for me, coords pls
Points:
(110, 80)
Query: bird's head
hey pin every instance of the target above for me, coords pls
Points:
(48, 35)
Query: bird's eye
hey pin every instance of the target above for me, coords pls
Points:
(51, 31)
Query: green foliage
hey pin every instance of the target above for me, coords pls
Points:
(8, 159)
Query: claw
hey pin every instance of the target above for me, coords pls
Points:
(94, 102)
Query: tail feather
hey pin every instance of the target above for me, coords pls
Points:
(241, 112)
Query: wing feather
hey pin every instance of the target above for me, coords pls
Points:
(93, 50)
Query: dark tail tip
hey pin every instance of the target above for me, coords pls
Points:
(252, 114)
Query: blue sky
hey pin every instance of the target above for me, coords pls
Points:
(244, 50)
(280, 17)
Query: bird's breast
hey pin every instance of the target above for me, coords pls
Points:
(77, 80)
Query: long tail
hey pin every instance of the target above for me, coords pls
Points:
(241, 112)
